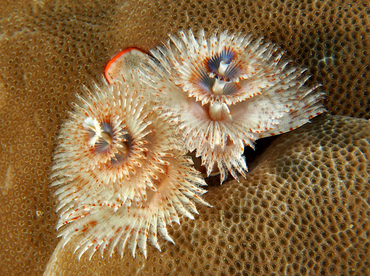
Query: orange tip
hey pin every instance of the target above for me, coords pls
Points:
(129, 57)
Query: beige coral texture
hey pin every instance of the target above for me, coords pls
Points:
(303, 208)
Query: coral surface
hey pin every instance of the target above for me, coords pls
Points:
(49, 49)
(303, 209)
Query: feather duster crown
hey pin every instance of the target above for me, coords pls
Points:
(224, 92)
(121, 173)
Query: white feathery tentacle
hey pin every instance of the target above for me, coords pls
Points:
(226, 91)
(120, 172)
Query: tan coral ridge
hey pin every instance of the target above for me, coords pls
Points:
(49, 49)
(272, 223)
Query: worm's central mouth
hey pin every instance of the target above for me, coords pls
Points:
(220, 74)
(106, 140)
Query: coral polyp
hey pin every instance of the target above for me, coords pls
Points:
(227, 91)
(120, 172)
